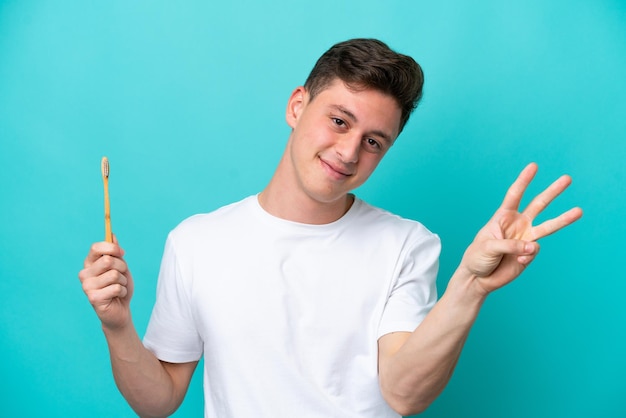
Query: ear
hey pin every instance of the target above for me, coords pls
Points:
(295, 105)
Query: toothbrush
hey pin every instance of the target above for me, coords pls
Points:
(104, 166)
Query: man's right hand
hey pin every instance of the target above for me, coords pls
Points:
(108, 284)
(151, 387)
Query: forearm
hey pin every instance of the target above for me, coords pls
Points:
(421, 367)
(140, 376)
(415, 367)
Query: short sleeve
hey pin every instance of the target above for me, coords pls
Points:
(171, 334)
(414, 292)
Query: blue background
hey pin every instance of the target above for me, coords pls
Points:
(187, 100)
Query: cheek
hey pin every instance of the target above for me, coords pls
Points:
(370, 161)
(316, 138)
(367, 165)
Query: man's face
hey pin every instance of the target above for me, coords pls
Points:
(338, 138)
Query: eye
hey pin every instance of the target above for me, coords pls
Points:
(338, 122)
(372, 144)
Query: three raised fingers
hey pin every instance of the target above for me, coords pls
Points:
(516, 192)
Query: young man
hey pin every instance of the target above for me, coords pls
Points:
(304, 300)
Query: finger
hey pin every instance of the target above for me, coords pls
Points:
(515, 193)
(525, 260)
(511, 247)
(552, 225)
(102, 265)
(103, 280)
(543, 199)
(99, 249)
(107, 294)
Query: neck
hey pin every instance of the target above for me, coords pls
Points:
(282, 200)
(282, 204)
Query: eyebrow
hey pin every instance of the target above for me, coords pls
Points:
(352, 116)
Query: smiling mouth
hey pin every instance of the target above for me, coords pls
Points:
(338, 172)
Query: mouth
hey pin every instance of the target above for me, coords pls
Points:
(336, 171)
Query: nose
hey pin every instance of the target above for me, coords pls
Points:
(347, 148)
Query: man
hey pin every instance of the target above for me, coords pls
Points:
(304, 300)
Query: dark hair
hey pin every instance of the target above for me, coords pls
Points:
(370, 63)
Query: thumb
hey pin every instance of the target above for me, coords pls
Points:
(511, 246)
(116, 242)
(482, 258)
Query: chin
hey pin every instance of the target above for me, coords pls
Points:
(329, 198)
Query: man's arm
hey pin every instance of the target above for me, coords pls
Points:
(415, 367)
(151, 387)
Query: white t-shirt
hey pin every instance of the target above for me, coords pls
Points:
(288, 315)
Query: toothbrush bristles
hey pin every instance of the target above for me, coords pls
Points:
(105, 167)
